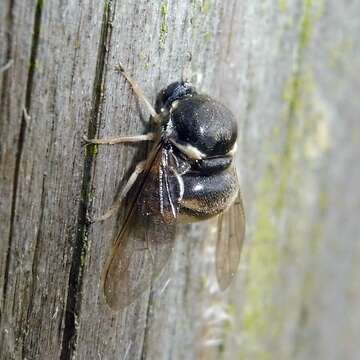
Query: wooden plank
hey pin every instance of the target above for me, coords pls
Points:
(15, 47)
(295, 295)
(166, 33)
(55, 47)
(290, 80)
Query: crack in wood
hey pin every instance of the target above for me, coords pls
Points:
(34, 279)
(73, 304)
(29, 85)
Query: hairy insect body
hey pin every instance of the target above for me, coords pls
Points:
(188, 175)
(188, 193)
(193, 176)
(207, 196)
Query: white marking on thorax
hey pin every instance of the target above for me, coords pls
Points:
(174, 105)
(191, 151)
(198, 187)
(232, 151)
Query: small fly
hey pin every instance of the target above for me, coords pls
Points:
(189, 175)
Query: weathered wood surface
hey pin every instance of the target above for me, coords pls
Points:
(289, 70)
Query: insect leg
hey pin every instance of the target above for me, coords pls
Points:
(139, 93)
(123, 139)
(114, 208)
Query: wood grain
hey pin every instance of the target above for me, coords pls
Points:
(288, 70)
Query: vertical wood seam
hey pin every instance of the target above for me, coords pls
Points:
(3, 67)
(34, 280)
(28, 94)
(73, 303)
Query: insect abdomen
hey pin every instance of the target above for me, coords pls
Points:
(207, 196)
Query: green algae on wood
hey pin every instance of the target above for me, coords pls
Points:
(163, 24)
(283, 6)
(300, 127)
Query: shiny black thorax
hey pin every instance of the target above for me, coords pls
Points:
(199, 136)
(197, 120)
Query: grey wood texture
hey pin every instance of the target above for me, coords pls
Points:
(288, 69)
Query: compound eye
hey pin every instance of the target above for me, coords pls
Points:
(163, 100)
(160, 102)
(173, 92)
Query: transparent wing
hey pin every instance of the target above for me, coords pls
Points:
(143, 244)
(231, 232)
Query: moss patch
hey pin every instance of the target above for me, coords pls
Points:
(208, 36)
(205, 6)
(91, 150)
(283, 6)
(278, 235)
(163, 24)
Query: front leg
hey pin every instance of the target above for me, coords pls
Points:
(123, 139)
(139, 93)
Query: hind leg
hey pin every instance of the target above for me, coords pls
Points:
(115, 207)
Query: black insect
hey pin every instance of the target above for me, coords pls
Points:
(189, 175)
